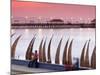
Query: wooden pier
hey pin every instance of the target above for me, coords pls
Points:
(51, 25)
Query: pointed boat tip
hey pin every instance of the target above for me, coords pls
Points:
(89, 39)
(13, 34)
(35, 34)
(52, 35)
(61, 37)
(68, 38)
(19, 35)
(94, 47)
(86, 41)
(43, 38)
(72, 39)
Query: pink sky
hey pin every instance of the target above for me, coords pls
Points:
(46, 10)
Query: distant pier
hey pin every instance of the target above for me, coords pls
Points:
(51, 25)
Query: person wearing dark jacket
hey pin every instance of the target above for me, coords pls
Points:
(77, 64)
(36, 59)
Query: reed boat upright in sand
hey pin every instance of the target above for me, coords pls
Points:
(87, 56)
(13, 47)
(12, 34)
(40, 51)
(58, 53)
(70, 53)
(44, 52)
(49, 50)
(82, 61)
(93, 59)
(29, 49)
(65, 54)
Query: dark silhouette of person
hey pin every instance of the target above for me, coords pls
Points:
(77, 64)
(31, 61)
(36, 59)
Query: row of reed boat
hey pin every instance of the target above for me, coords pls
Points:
(67, 53)
(84, 60)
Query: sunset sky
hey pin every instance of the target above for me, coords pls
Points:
(47, 10)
